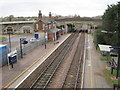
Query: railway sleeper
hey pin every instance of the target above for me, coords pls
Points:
(36, 71)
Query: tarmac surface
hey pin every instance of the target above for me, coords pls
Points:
(15, 40)
(94, 77)
(25, 65)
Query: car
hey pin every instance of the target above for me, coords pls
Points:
(32, 39)
(104, 53)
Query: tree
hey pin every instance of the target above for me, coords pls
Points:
(10, 17)
(111, 23)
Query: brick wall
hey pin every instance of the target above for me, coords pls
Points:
(38, 25)
(50, 36)
(62, 32)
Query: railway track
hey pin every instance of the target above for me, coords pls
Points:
(45, 77)
(73, 78)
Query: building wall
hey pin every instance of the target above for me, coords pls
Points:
(41, 35)
(51, 36)
(17, 28)
(26, 29)
(62, 32)
(38, 25)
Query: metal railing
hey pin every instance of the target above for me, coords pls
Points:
(29, 47)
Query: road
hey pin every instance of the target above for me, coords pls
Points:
(15, 39)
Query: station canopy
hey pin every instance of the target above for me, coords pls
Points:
(53, 30)
(105, 48)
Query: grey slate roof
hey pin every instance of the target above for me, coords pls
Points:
(15, 22)
(47, 20)
(104, 47)
(53, 30)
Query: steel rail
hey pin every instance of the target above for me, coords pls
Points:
(79, 68)
(71, 65)
(56, 68)
(58, 65)
(46, 68)
(49, 66)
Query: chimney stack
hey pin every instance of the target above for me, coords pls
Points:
(50, 15)
(39, 14)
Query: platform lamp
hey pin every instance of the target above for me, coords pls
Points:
(9, 31)
(118, 63)
(45, 38)
(22, 41)
(45, 35)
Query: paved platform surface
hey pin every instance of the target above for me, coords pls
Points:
(28, 62)
(94, 67)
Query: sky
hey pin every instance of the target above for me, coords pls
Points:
(84, 8)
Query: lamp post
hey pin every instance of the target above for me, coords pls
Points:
(22, 41)
(21, 48)
(9, 31)
(118, 66)
(95, 38)
(9, 43)
(118, 62)
(45, 38)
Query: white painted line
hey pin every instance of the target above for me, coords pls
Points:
(41, 62)
(84, 63)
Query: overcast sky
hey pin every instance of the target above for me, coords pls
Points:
(57, 7)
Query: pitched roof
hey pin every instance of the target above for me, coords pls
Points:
(47, 20)
(53, 30)
(104, 47)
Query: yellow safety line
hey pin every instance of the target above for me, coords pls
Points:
(24, 71)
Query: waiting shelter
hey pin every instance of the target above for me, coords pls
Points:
(112, 52)
(104, 49)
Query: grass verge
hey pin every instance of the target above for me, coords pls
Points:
(109, 76)
(2, 38)
(103, 58)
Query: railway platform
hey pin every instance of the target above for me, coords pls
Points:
(23, 67)
(94, 77)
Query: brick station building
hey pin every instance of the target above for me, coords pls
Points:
(47, 27)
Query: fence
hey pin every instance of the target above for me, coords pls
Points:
(29, 47)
